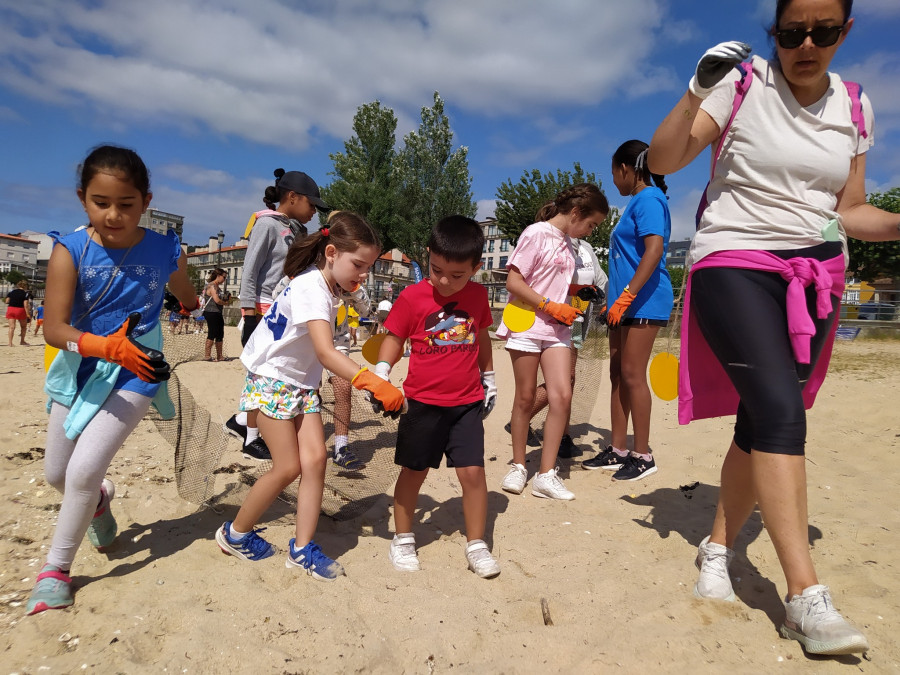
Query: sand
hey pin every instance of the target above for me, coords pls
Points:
(615, 566)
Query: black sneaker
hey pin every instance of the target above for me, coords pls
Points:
(532, 441)
(635, 468)
(567, 448)
(258, 450)
(347, 459)
(607, 459)
(234, 428)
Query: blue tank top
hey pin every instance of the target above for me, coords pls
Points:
(112, 283)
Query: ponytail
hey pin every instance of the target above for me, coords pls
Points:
(345, 230)
(546, 212)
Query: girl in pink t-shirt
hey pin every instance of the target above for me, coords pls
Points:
(540, 273)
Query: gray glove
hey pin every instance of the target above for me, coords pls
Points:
(716, 64)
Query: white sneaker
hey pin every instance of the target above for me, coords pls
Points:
(403, 553)
(480, 559)
(549, 486)
(713, 561)
(515, 480)
(812, 620)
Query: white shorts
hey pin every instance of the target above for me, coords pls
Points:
(534, 345)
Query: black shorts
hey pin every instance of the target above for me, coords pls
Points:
(428, 432)
(631, 321)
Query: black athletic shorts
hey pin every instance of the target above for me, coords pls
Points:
(428, 432)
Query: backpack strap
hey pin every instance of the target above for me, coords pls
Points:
(854, 89)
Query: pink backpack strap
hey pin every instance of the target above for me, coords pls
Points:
(854, 89)
(741, 86)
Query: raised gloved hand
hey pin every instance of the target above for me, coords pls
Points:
(565, 314)
(715, 64)
(617, 311)
(489, 384)
(384, 396)
(589, 293)
(120, 348)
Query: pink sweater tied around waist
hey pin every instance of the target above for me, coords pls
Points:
(704, 389)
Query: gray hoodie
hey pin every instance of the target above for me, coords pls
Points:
(270, 239)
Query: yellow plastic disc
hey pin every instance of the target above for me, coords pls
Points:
(664, 376)
(341, 314)
(371, 348)
(49, 354)
(518, 316)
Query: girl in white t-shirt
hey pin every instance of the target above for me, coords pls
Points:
(284, 359)
(540, 274)
(766, 279)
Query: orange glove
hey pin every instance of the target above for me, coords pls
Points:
(120, 348)
(617, 311)
(565, 314)
(387, 395)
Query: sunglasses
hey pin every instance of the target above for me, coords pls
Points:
(822, 36)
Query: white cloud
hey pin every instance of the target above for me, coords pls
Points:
(486, 208)
(273, 73)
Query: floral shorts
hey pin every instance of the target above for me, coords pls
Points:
(278, 400)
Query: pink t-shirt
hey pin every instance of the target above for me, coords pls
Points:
(545, 257)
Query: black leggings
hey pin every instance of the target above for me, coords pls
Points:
(743, 316)
(215, 326)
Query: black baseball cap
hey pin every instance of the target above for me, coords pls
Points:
(299, 182)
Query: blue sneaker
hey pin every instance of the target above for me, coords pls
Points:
(103, 529)
(53, 590)
(316, 563)
(249, 547)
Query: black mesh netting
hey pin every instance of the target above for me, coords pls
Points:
(200, 443)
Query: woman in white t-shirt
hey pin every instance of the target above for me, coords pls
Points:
(284, 358)
(766, 281)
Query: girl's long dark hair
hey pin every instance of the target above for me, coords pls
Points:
(346, 230)
(629, 154)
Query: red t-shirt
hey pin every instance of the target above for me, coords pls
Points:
(443, 332)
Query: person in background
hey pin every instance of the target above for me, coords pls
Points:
(212, 313)
(767, 275)
(18, 310)
(273, 231)
(39, 317)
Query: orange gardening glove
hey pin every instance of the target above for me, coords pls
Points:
(617, 311)
(386, 394)
(565, 314)
(120, 348)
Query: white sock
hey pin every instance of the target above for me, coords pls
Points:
(252, 435)
(235, 535)
(241, 418)
(340, 442)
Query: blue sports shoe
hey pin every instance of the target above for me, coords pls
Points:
(316, 563)
(103, 529)
(53, 590)
(249, 547)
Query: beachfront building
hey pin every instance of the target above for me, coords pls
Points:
(390, 274)
(162, 222)
(676, 255)
(213, 255)
(20, 254)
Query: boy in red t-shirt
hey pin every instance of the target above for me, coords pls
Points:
(450, 386)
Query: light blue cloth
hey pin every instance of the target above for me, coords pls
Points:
(61, 386)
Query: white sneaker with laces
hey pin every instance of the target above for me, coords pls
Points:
(515, 480)
(713, 561)
(549, 486)
(480, 559)
(403, 553)
(812, 620)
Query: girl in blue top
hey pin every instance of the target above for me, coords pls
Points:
(105, 286)
(641, 284)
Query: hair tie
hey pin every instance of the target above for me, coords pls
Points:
(641, 161)
(324, 231)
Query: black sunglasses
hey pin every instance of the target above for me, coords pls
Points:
(822, 36)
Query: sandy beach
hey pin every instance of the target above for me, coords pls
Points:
(615, 565)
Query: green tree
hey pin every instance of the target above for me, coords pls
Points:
(14, 276)
(432, 181)
(364, 171)
(517, 203)
(870, 260)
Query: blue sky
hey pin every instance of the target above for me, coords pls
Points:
(216, 94)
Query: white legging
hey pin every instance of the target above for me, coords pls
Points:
(77, 468)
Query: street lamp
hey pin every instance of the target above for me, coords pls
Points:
(221, 238)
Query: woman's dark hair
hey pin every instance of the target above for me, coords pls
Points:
(114, 158)
(780, 8)
(631, 153)
(346, 230)
(458, 239)
(211, 277)
(585, 197)
(274, 194)
(545, 213)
